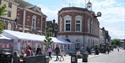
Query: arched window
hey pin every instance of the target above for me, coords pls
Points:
(67, 23)
(33, 22)
(78, 23)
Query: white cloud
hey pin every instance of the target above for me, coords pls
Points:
(51, 14)
(116, 33)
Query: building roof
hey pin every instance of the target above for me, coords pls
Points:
(74, 8)
(23, 3)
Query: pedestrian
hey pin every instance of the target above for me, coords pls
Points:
(85, 56)
(28, 51)
(88, 49)
(62, 55)
(118, 49)
(96, 51)
(108, 50)
(38, 50)
(15, 57)
(57, 51)
(49, 52)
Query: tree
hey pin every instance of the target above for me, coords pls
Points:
(3, 10)
(1, 26)
(116, 42)
(2, 13)
(48, 40)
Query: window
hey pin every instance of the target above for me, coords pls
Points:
(33, 22)
(9, 14)
(78, 23)
(10, 4)
(67, 23)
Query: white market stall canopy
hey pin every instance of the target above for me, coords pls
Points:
(4, 37)
(21, 35)
(27, 36)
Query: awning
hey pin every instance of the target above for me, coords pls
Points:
(57, 40)
(68, 40)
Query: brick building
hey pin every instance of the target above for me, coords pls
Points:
(105, 37)
(79, 26)
(29, 19)
(9, 18)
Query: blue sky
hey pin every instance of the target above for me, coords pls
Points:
(113, 12)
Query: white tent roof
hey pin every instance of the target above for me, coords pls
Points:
(21, 35)
(3, 37)
(28, 36)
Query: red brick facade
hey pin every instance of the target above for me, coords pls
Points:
(24, 20)
(73, 12)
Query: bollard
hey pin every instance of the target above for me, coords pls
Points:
(73, 58)
(84, 57)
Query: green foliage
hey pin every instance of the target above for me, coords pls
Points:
(3, 10)
(48, 39)
(116, 42)
(1, 26)
(2, 13)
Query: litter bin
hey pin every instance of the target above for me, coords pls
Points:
(46, 59)
(73, 58)
(84, 57)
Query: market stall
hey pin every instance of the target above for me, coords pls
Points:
(21, 40)
(5, 44)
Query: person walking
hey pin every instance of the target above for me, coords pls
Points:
(15, 57)
(62, 55)
(49, 52)
(57, 51)
(118, 49)
(38, 50)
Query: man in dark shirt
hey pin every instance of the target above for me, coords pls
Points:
(57, 51)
